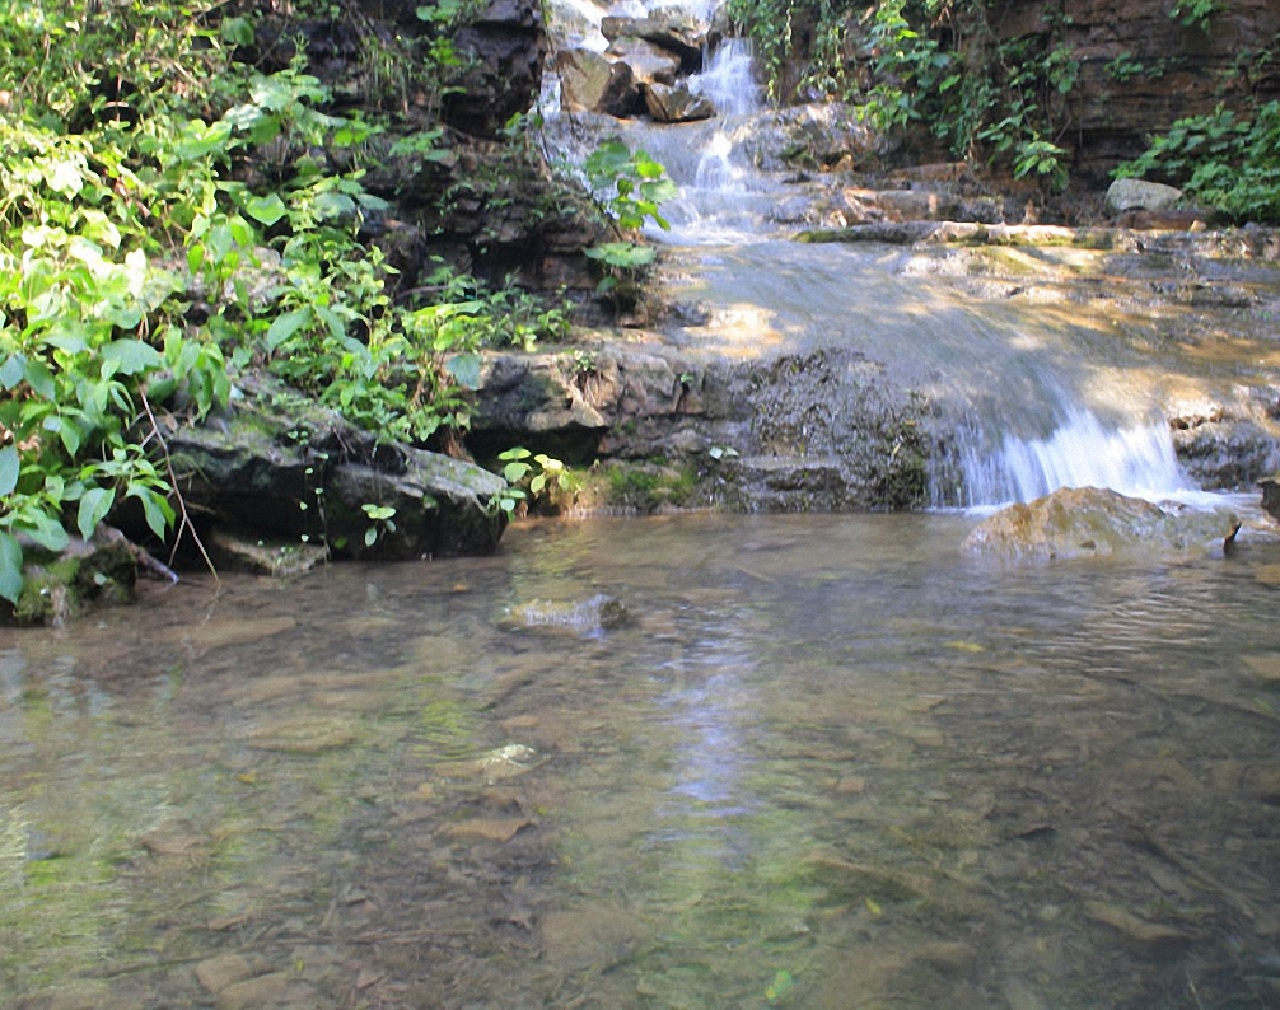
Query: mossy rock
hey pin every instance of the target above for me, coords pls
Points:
(57, 586)
(640, 487)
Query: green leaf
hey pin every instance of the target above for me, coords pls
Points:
(237, 31)
(69, 432)
(465, 369)
(13, 371)
(48, 533)
(94, 507)
(129, 357)
(272, 93)
(155, 509)
(40, 379)
(286, 325)
(514, 472)
(266, 210)
(10, 568)
(327, 205)
(9, 468)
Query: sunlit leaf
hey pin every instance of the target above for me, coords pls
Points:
(9, 468)
(129, 357)
(94, 507)
(10, 567)
(285, 326)
(465, 369)
(266, 210)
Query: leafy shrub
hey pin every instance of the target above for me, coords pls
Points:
(130, 259)
(1227, 162)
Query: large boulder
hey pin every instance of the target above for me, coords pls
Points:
(278, 465)
(1095, 522)
(589, 82)
(676, 104)
(1135, 194)
(648, 63)
(673, 30)
(817, 135)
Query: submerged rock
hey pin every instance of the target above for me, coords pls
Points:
(589, 617)
(1093, 522)
(260, 557)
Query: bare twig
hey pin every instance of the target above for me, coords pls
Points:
(184, 522)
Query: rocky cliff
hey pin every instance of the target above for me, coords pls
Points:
(1141, 67)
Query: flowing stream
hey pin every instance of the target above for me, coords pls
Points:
(827, 762)
(1045, 395)
(830, 762)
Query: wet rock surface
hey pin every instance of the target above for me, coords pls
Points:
(60, 585)
(284, 467)
(1094, 522)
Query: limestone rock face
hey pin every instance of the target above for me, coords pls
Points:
(548, 396)
(676, 104)
(1187, 71)
(508, 47)
(1134, 194)
(589, 82)
(820, 134)
(306, 473)
(649, 64)
(1094, 522)
(671, 29)
(1226, 453)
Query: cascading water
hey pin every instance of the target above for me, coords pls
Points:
(728, 79)
(1138, 461)
(1028, 439)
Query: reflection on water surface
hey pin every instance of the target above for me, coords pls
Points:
(830, 763)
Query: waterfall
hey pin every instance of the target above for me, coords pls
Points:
(995, 369)
(1138, 461)
(728, 79)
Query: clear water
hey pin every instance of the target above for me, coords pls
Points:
(832, 762)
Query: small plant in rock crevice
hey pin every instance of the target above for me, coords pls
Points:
(632, 187)
(535, 477)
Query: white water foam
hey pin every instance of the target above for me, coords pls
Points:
(728, 79)
(1138, 461)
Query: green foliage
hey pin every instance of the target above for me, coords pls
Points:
(937, 63)
(1229, 163)
(1194, 13)
(1124, 67)
(135, 270)
(632, 184)
(531, 476)
(381, 520)
(633, 187)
